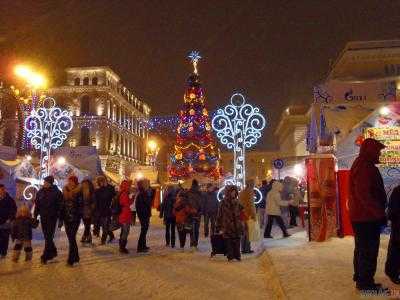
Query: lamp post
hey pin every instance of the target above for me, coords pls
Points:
(152, 152)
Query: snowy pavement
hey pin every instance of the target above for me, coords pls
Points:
(164, 273)
(318, 270)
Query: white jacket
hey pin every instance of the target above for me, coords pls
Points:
(274, 200)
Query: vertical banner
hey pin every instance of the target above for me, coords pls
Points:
(321, 186)
(344, 217)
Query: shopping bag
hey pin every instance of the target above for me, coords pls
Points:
(254, 230)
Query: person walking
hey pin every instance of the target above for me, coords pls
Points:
(22, 233)
(167, 214)
(210, 209)
(246, 199)
(367, 204)
(48, 204)
(392, 267)
(103, 197)
(184, 213)
(125, 214)
(8, 208)
(273, 210)
(294, 202)
(229, 222)
(88, 197)
(143, 210)
(195, 197)
(71, 214)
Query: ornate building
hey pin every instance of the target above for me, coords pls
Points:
(107, 115)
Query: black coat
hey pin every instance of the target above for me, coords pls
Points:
(72, 209)
(103, 199)
(167, 206)
(211, 203)
(143, 206)
(8, 208)
(22, 228)
(48, 203)
(196, 199)
(394, 206)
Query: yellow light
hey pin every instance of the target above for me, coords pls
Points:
(23, 71)
(61, 161)
(37, 80)
(152, 145)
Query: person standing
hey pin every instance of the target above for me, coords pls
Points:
(22, 233)
(103, 196)
(125, 215)
(294, 202)
(167, 214)
(71, 214)
(184, 213)
(229, 222)
(367, 213)
(48, 206)
(246, 199)
(265, 188)
(8, 209)
(392, 267)
(273, 210)
(88, 197)
(196, 201)
(143, 210)
(210, 209)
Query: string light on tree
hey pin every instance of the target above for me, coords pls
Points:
(195, 150)
(238, 126)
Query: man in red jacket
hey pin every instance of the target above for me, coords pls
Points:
(367, 213)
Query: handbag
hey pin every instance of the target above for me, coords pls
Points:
(254, 230)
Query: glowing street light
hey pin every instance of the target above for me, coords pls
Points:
(152, 145)
(61, 161)
(33, 79)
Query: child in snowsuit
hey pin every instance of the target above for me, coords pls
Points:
(21, 232)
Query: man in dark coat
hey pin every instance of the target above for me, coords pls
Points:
(8, 208)
(210, 209)
(367, 213)
(167, 214)
(104, 196)
(143, 209)
(47, 206)
(264, 189)
(392, 268)
(195, 197)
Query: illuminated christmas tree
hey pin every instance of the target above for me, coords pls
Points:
(195, 152)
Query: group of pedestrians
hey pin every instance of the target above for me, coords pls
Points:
(99, 209)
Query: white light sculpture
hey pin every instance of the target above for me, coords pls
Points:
(47, 128)
(238, 126)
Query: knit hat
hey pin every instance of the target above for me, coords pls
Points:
(49, 179)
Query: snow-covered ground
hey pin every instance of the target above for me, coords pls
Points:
(164, 273)
(318, 270)
(290, 268)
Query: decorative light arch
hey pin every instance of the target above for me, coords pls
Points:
(239, 125)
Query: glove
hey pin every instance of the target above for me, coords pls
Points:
(60, 224)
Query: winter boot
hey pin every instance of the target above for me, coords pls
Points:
(28, 253)
(17, 252)
(122, 246)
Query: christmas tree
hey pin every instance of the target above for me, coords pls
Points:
(195, 152)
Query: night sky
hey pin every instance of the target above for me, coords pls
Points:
(273, 51)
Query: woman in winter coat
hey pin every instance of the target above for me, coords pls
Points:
(125, 215)
(246, 199)
(143, 210)
(88, 209)
(184, 212)
(229, 221)
(21, 232)
(273, 210)
(167, 214)
(71, 214)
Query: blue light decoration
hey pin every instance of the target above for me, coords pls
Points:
(238, 126)
(47, 127)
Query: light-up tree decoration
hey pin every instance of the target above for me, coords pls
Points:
(238, 126)
(47, 128)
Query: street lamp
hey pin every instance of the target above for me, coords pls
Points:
(152, 151)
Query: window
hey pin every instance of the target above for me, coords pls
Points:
(77, 81)
(86, 81)
(85, 137)
(85, 105)
(94, 81)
